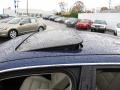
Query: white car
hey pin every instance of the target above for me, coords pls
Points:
(117, 30)
(99, 25)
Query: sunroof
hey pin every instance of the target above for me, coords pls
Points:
(51, 39)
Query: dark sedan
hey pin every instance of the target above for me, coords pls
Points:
(60, 19)
(52, 18)
(41, 61)
(71, 22)
(46, 17)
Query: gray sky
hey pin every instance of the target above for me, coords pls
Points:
(49, 5)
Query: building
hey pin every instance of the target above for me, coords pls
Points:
(23, 12)
(111, 11)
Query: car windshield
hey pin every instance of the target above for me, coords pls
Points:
(84, 20)
(118, 25)
(100, 22)
(15, 21)
(97, 23)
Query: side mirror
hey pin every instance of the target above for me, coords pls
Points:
(21, 23)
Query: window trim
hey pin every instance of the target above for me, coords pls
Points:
(87, 76)
(24, 19)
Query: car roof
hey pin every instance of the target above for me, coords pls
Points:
(24, 17)
(100, 20)
(105, 52)
(58, 60)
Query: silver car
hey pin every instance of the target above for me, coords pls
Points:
(21, 25)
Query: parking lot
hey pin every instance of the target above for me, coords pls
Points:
(55, 26)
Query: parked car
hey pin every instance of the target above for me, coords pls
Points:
(46, 17)
(72, 22)
(6, 20)
(20, 25)
(52, 18)
(84, 24)
(117, 30)
(2, 16)
(58, 68)
(68, 20)
(99, 25)
(60, 19)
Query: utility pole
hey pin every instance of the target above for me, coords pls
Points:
(27, 7)
(16, 4)
(3, 11)
(109, 4)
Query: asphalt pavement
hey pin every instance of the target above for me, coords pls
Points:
(55, 26)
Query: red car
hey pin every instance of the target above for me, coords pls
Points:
(84, 24)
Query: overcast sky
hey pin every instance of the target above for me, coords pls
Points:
(49, 5)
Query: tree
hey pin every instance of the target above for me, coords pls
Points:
(78, 6)
(62, 6)
(103, 9)
(74, 14)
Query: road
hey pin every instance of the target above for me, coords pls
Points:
(54, 25)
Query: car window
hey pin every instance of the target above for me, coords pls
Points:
(108, 79)
(25, 21)
(15, 21)
(118, 25)
(100, 22)
(33, 20)
(49, 81)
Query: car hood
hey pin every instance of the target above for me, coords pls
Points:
(83, 23)
(71, 22)
(6, 25)
(118, 29)
(98, 24)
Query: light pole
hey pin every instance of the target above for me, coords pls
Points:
(109, 4)
(15, 5)
(27, 7)
(3, 11)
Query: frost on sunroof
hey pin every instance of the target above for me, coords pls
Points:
(51, 38)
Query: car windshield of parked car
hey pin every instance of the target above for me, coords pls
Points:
(84, 20)
(15, 21)
(100, 22)
(118, 25)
